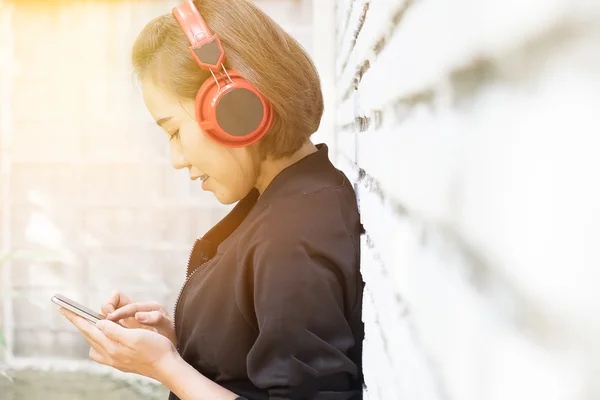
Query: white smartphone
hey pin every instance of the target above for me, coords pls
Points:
(77, 308)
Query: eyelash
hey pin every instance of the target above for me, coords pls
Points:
(174, 135)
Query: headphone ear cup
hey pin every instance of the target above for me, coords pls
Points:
(234, 114)
(239, 112)
(205, 96)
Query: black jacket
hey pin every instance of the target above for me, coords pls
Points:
(271, 308)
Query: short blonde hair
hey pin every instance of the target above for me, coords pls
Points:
(255, 46)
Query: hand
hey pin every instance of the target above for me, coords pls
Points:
(138, 351)
(116, 301)
(149, 315)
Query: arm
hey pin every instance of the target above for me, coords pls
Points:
(304, 337)
(188, 384)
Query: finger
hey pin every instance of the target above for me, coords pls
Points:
(153, 318)
(129, 323)
(129, 310)
(117, 333)
(84, 326)
(95, 355)
(114, 302)
(100, 358)
(101, 351)
(79, 322)
(103, 344)
(110, 304)
(95, 338)
(91, 333)
(107, 309)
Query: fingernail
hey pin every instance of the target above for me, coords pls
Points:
(141, 317)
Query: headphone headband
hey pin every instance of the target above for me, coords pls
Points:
(205, 47)
(191, 22)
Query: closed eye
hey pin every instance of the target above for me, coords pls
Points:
(175, 135)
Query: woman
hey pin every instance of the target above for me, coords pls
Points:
(271, 307)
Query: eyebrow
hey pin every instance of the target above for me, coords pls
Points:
(161, 121)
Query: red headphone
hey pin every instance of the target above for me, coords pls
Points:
(230, 110)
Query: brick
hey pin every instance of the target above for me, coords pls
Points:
(376, 29)
(395, 363)
(422, 170)
(476, 201)
(452, 37)
(344, 14)
(355, 23)
(449, 323)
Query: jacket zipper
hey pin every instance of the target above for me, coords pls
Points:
(183, 288)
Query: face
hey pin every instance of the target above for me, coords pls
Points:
(229, 173)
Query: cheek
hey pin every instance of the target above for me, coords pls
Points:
(192, 141)
(237, 167)
(235, 179)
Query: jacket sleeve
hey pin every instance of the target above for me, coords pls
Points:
(303, 334)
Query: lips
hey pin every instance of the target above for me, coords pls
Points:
(205, 183)
(201, 177)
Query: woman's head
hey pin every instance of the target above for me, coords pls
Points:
(257, 48)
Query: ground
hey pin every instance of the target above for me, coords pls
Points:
(36, 385)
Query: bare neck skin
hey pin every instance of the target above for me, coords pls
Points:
(271, 168)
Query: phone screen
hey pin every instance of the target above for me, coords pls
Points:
(77, 308)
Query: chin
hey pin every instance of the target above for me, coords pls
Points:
(226, 198)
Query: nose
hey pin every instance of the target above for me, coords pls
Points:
(178, 160)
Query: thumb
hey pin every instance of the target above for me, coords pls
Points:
(114, 331)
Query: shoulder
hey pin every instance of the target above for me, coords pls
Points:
(302, 237)
(325, 214)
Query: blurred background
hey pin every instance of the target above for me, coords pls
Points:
(470, 129)
(89, 200)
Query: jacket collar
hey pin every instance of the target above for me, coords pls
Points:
(309, 173)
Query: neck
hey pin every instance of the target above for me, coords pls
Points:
(271, 168)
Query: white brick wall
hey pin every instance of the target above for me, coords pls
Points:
(471, 129)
